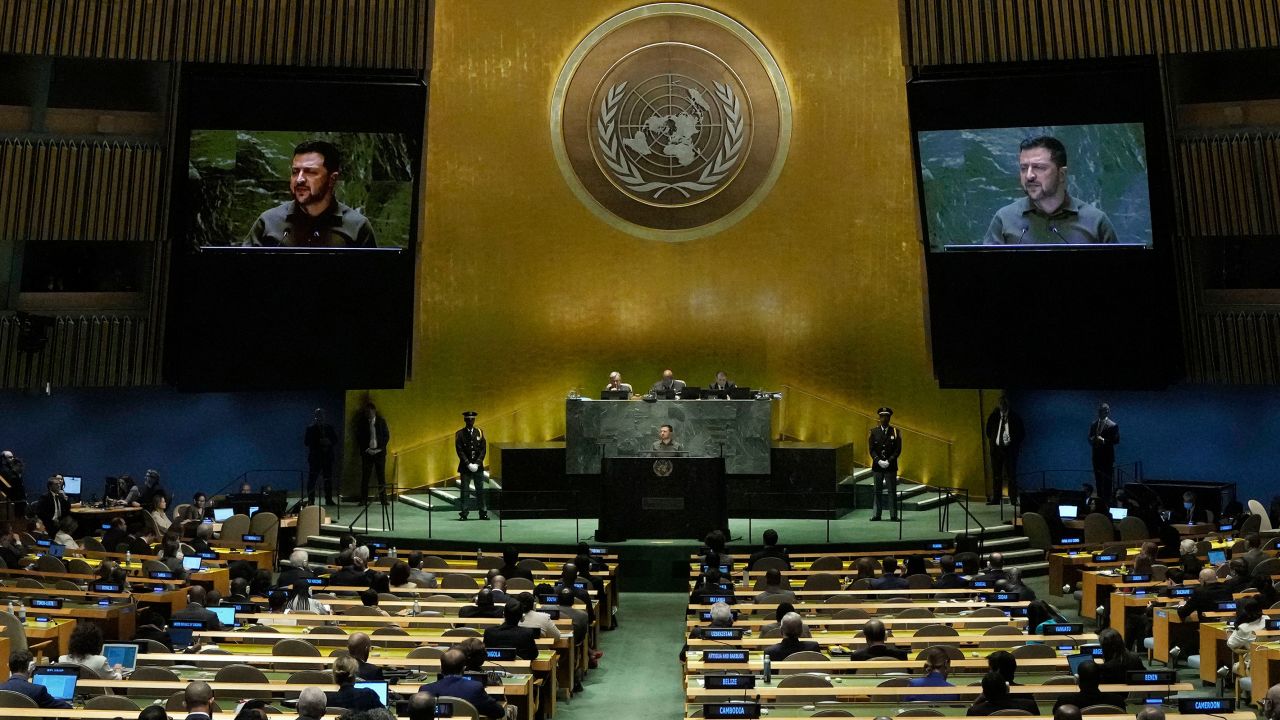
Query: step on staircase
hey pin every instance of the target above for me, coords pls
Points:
(323, 548)
(1008, 541)
(912, 497)
(445, 498)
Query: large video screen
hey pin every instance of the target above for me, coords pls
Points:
(1040, 188)
(291, 189)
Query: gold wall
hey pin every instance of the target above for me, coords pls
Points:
(524, 294)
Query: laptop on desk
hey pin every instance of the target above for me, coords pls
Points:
(59, 680)
(123, 654)
(221, 515)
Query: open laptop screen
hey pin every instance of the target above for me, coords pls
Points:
(378, 687)
(226, 615)
(123, 654)
(59, 680)
(223, 514)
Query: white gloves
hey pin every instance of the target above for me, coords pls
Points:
(882, 463)
(472, 467)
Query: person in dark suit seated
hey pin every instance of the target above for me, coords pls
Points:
(722, 383)
(510, 634)
(949, 579)
(511, 565)
(1003, 662)
(197, 698)
(296, 570)
(53, 505)
(1117, 661)
(195, 609)
(774, 591)
(568, 576)
(204, 534)
(482, 607)
(710, 585)
(1087, 680)
(422, 706)
(453, 684)
(20, 664)
(1206, 596)
(345, 673)
(1190, 512)
(1254, 555)
(1013, 584)
(792, 629)
(358, 645)
(769, 550)
(995, 569)
(996, 696)
(937, 665)
(876, 646)
(118, 533)
(889, 579)
(354, 572)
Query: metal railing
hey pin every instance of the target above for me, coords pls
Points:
(805, 504)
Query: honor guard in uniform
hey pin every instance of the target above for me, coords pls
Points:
(471, 446)
(885, 443)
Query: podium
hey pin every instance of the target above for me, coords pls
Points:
(661, 497)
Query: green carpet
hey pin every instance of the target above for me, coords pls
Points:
(641, 665)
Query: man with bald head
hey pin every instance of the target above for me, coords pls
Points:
(198, 700)
(792, 628)
(995, 569)
(311, 704)
(196, 611)
(876, 647)
(358, 645)
(422, 706)
(668, 386)
(1206, 596)
(452, 683)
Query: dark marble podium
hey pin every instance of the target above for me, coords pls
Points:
(738, 430)
(661, 497)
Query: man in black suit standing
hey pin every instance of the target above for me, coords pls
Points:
(885, 444)
(52, 505)
(372, 436)
(1104, 435)
(510, 634)
(320, 440)
(471, 446)
(1005, 432)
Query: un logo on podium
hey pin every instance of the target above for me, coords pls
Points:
(663, 467)
(671, 121)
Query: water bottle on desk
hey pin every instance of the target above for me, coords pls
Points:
(416, 607)
(22, 613)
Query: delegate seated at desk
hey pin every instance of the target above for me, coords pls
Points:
(666, 445)
(616, 384)
(668, 384)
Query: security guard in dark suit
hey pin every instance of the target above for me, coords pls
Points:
(470, 445)
(885, 444)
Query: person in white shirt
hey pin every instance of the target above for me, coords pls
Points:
(536, 618)
(66, 526)
(1249, 620)
(85, 648)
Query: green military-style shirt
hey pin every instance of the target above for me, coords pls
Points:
(1075, 223)
(287, 225)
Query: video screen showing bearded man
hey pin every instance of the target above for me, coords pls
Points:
(1048, 214)
(314, 217)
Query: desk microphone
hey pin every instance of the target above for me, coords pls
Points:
(1025, 228)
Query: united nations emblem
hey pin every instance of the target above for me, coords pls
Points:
(671, 121)
(663, 467)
